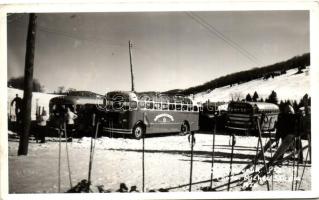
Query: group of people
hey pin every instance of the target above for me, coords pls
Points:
(292, 126)
(42, 116)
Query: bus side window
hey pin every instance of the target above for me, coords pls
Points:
(171, 107)
(178, 106)
(133, 104)
(126, 105)
(149, 105)
(190, 108)
(164, 106)
(195, 108)
(157, 106)
(118, 105)
(184, 107)
(141, 104)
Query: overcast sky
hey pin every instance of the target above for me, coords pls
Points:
(89, 51)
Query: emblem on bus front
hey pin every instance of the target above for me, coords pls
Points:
(164, 118)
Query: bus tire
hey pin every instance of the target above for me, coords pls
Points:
(184, 129)
(138, 131)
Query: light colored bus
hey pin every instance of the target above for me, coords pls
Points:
(242, 116)
(137, 114)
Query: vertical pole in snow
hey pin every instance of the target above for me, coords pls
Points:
(271, 156)
(67, 154)
(231, 161)
(304, 167)
(191, 167)
(59, 162)
(131, 65)
(256, 157)
(309, 146)
(298, 160)
(293, 164)
(143, 165)
(262, 151)
(95, 124)
(213, 154)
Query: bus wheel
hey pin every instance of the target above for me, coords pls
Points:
(184, 129)
(138, 131)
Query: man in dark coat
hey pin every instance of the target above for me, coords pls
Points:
(286, 123)
(18, 106)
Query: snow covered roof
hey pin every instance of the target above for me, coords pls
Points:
(264, 105)
(76, 100)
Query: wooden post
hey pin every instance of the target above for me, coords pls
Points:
(28, 84)
(131, 65)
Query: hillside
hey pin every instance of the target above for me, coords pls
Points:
(275, 69)
(287, 86)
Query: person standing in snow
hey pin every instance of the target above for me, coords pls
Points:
(285, 124)
(42, 126)
(70, 117)
(18, 107)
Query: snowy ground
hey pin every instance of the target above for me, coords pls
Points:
(117, 160)
(288, 86)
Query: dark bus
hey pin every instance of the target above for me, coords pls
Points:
(147, 113)
(213, 112)
(242, 116)
(83, 107)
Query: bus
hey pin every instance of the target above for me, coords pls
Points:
(82, 106)
(242, 116)
(213, 112)
(137, 114)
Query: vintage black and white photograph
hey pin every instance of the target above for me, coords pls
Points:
(159, 102)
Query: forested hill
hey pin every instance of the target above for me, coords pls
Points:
(276, 69)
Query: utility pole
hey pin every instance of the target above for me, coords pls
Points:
(131, 65)
(28, 85)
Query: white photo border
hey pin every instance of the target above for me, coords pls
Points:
(156, 6)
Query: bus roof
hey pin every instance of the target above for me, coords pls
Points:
(76, 100)
(260, 105)
(149, 96)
